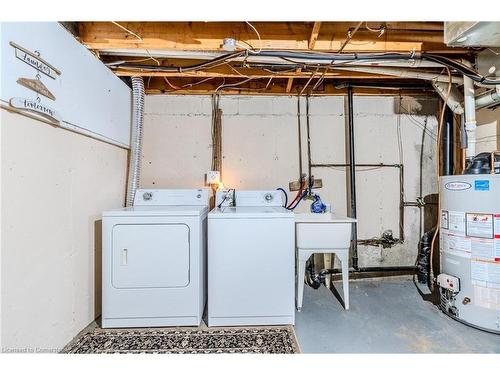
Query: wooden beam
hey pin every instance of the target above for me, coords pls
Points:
(314, 34)
(157, 88)
(208, 36)
(257, 74)
(290, 81)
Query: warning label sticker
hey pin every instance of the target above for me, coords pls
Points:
(479, 225)
(486, 274)
(444, 219)
(456, 222)
(483, 249)
(496, 225)
(456, 245)
(487, 297)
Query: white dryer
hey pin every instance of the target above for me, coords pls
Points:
(153, 260)
(251, 261)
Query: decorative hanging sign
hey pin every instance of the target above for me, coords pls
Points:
(34, 60)
(36, 107)
(37, 86)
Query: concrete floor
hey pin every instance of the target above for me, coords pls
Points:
(386, 316)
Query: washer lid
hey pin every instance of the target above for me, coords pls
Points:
(250, 212)
(157, 211)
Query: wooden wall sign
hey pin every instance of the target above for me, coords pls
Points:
(35, 61)
(36, 107)
(37, 86)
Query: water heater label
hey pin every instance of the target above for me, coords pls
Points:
(487, 297)
(482, 185)
(444, 219)
(486, 274)
(483, 249)
(479, 225)
(456, 222)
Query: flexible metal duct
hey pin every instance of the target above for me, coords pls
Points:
(135, 138)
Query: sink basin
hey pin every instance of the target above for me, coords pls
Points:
(323, 231)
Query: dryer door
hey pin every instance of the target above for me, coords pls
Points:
(150, 256)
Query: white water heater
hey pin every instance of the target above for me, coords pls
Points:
(470, 249)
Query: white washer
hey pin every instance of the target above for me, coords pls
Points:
(251, 261)
(153, 260)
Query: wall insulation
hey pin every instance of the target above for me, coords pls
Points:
(260, 151)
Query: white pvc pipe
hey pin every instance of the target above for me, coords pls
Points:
(403, 73)
(488, 98)
(454, 100)
(470, 116)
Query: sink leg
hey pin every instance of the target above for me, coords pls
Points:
(345, 277)
(301, 271)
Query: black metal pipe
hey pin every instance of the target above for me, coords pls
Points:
(328, 165)
(308, 145)
(386, 269)
(402, 203)
(352, 177)
(448, 143)
(299, 131)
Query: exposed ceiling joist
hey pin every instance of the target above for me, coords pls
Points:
(208, 36)
(169, 53)
(314, 35)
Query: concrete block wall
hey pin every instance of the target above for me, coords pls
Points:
(260, 151)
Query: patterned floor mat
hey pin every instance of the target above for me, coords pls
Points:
(278, 340)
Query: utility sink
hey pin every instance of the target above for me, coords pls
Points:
(323, 231)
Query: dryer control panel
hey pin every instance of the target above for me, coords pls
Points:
(171, 197)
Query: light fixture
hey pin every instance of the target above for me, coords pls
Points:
(229, 44)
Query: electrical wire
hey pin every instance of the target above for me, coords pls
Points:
(330, 60)
(349, 36)
(381, 30)
(138, 37)
(233, 84)
(258, 36)
(225, 197)
(286, 196)
(308, 81)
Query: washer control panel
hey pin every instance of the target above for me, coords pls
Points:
(258, 198)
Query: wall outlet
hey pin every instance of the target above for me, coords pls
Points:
(213, 177)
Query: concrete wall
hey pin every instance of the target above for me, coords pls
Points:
(55, 184)
(488, 130)
(260, 151)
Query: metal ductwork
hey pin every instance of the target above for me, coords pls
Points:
(135, 139)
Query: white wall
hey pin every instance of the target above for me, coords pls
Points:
(260, 151)
(488, 130)
(55, 184)
(89, 97)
